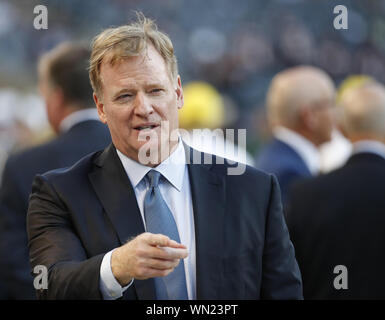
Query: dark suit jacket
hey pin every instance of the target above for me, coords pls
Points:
(243, 249)
(339, 219)
(283, 161)
(83, 138)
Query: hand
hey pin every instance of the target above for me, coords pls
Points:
(143, 258)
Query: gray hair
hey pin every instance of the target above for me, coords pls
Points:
(363, 110)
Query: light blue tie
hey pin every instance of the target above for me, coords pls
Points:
(159, 219)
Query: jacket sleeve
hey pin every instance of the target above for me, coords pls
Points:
(281, 277)
(54, 244)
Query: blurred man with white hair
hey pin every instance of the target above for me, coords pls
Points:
(336, 152)
(338, 219)
(299, 107)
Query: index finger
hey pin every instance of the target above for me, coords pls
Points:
(157, 239)
(174, 253)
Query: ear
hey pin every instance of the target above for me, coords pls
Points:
(57, 97)
(100, 108)
(55, 107)
(179, 93)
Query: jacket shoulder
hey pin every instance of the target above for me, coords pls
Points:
(21, 157)
(77, 171)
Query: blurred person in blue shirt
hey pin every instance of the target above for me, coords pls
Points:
(300, 101)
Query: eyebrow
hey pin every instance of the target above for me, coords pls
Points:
(125, 90)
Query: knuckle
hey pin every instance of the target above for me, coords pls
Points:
(140, 252)
(163, 238)
(145, 236)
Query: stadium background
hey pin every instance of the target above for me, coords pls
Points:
(235, 47)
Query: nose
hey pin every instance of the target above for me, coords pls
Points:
(142, 105)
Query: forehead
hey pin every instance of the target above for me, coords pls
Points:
(148, 67)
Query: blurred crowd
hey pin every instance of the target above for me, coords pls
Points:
(305, 93)
(237, 47)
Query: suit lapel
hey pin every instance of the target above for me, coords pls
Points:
(117, 196)
(208, 197)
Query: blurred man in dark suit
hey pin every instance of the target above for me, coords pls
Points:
(299, 106)
(64, 85)
(116, 226)
(338, 219)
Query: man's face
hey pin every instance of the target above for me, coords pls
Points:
(137, 95)
(324, 115)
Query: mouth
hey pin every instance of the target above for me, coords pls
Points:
(146, 127)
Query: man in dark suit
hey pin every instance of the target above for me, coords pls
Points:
(336, 221)
(64, 84)
(143, 220)
(299, 104)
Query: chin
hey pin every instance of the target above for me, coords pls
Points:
(155, 145)
(144, 147)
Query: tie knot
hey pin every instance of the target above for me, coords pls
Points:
(153, 176)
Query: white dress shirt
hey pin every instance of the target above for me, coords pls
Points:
(215, 142)
(305, 149)
(175, 190)
(76, 117)
(370, 146)
(334, 153)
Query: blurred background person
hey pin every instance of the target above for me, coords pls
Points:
(66, 90)
(334, 153)
(204, 117)
(338, 218)
(299, 103)
(237, 47)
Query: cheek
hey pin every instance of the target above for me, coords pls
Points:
(172, 114)
(329, 119)
(117, 114)
(323, 119)
(117, 121)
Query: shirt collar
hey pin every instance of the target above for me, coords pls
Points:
(78, 116)
(172, 168)
(370, 146)
(306, 150)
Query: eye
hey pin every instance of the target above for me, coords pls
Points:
(156, 90)
(124, 96)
